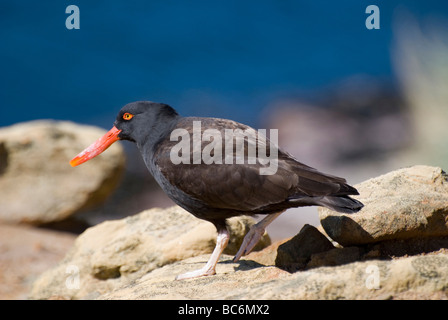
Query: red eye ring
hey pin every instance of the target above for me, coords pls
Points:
(128, 116)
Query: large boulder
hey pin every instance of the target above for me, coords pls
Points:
(113, 253)
(37, 183)
(404, 204)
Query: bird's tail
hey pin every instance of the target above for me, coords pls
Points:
(343, 204)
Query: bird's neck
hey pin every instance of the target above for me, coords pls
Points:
(158, 132)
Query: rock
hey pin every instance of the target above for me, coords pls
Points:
(37, 183)
(403, 204)
(334, 257)
(24, 254)
(294, 254)
(418, 277)
(267, 255)
(114, 253)
(232, 281)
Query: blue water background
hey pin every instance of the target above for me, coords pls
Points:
(226, 59)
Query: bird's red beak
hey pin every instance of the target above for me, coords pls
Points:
(97, 147)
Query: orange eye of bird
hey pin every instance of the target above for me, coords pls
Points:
(127, 116)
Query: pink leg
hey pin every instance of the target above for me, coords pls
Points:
(209, 269)
(254, 235)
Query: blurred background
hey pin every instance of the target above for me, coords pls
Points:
(347, 100)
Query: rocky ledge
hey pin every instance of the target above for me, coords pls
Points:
(394, 248)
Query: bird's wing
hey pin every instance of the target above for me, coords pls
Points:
(238, 186)
(313, 182)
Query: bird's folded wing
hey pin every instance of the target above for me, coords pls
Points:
(241, 186)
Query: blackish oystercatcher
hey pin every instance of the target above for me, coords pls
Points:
(218, 190)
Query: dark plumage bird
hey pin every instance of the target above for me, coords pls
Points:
(217, 191)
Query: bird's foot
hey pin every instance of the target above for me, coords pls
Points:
(250, 241)
(203, 272)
